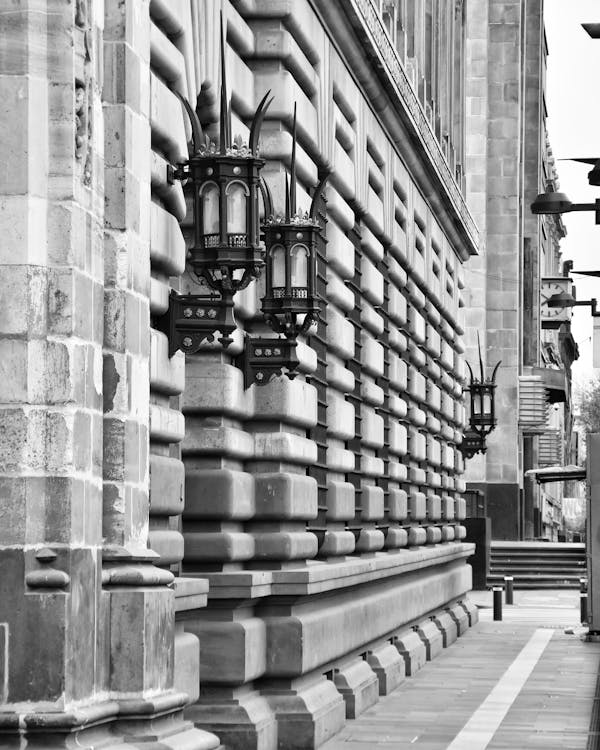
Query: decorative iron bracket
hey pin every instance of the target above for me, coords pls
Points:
(473, 442)
(192, 319)
(264, 358)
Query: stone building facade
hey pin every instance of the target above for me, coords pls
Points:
(508, 162)
(160, 582)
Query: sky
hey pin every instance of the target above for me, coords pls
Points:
(573, 103)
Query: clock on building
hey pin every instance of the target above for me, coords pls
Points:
(554, 317)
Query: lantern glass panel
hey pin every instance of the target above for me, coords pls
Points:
(299, 269)
(487, 403)
(278, 266)
(475, 402)
(210, 209)
(236, 208)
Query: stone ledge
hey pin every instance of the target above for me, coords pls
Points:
(352, 571)
(317, 577)
(190, 593)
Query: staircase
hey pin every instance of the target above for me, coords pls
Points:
(538, 565)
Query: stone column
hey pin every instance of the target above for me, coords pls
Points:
(51, 212)
(144, 646)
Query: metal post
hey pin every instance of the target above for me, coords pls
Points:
(583, 607)
(497, 602)
(508, 582)
(593, 535)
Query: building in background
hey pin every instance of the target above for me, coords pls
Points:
(508, 162)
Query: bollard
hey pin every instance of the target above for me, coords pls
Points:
(508, 596)
(497, 602)
(583, 607)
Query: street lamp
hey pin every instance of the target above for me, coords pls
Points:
(564, 299)
(551, 203)
(482, 417)
(226, 251)
(291, 303)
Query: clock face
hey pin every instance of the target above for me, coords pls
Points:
(554, 317)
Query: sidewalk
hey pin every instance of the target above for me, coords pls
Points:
(512, 685)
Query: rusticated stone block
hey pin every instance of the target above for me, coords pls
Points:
(284, 447)
(340, 416)
(241, 719)
(168, 543)
(447, 507)
(215, 388)
(412, 649)
(417, 506)
(218, 493)
(340, 501)
(284, 545)
(232, 650)
(371, 503)
(218, 546)
(358, 685)
(434, 507)
(416, 536)
(307, 714)
(471, 610)
(448, 533)
(370, 540)
(166, 485)
(340, 333)
(388, 665)
(434, 535)
(396, 538)
(447, 626)
(397, 504)
(337, 542)
(460, 617)
(291, 401)
(187, 663)
(432, 637)
(285, 496)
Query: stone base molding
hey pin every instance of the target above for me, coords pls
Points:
(287, 656)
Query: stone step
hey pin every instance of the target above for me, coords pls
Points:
(538, 564)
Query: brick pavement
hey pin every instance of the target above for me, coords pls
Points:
(552, 709)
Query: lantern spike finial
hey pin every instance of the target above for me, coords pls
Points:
(287, 198)
(480, 358)
(194, 122)
(470, 371)
(267, 197)
(496, 370)
(293, 168)
(225, 115)
(257, 122)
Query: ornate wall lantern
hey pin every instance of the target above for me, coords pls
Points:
(291, 302)
(482, 417)
(226, 251)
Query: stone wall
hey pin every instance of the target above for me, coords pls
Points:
(363, 443)
(91, 653)
(115, 512)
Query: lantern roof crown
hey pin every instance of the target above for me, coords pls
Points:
(474, 380)
(203, 145)
(293, 216)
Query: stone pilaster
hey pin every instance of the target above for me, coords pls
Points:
(51, 214)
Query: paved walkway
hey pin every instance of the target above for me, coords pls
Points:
(513, 685)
